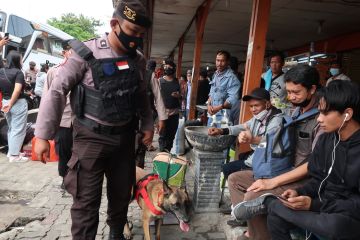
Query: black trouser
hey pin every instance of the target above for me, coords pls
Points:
(64, 142)
(93, 156)
(166, 137)
(282, 219)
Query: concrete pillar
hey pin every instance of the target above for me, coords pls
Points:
(207, 180)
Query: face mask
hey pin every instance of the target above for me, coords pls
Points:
(303, 103)
(260, 116)
(169, 71)
(334, 71)
(129, 42)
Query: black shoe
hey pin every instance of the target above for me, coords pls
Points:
(116, 234)
(236, 223)
(248, 209)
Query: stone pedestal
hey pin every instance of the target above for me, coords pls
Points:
(207, 180)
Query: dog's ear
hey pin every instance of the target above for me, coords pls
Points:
(167, 189)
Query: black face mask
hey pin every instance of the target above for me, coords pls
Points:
(129, 42)
(303, 103)
(169, 71)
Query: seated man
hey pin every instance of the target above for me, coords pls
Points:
(265, 118)
(301, 84)
(328, 205)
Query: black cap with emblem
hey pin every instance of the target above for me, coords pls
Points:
(133, 11)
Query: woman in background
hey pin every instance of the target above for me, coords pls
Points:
(14, 105)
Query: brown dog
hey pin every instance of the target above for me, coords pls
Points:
(163, 199)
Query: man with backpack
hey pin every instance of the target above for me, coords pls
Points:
(328, 205)
(302, 82)
(265, 118)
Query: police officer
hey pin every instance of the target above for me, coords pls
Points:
(108, 93)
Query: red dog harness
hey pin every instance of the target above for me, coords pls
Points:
(141, 191)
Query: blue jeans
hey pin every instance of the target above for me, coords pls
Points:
(16, 119)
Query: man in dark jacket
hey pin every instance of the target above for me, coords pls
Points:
(329, 204)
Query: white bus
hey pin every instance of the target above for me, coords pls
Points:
(35, 41)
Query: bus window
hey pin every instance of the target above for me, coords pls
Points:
(19, 27)
(55, 46)
(41, 44)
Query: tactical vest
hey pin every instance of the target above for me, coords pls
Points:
(166, 88)
(115, 80)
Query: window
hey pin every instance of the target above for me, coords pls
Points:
(19, 27)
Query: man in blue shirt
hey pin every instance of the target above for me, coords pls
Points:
(224, 89)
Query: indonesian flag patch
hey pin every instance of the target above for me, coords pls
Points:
(122, 65)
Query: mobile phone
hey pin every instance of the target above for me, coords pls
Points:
(282, 198)
(6, 35)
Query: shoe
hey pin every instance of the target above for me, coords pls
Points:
(116, 234)
(248, 209)
(18, 159)
(236, 223)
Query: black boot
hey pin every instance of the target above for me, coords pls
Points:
(116, 234)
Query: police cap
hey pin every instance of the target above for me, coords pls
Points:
(133, 11)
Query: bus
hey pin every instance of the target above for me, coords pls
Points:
(36, 42)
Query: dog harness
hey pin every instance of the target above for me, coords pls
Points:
(141, 191)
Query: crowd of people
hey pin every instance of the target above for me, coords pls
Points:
(115, 95)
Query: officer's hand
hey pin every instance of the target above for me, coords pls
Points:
(161, 126)
(42, 149)
(215, 131)
(147, 137)
(216, 109)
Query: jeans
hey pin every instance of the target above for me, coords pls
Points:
(16, 119)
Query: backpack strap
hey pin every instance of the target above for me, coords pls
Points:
(310, 113)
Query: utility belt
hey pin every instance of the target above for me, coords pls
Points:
(102, 129)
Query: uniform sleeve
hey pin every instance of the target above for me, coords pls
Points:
(159, 103)
(233, 90)
(53, 104)
(143, 104)
(48, 80)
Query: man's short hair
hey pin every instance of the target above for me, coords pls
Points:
(170, 62)
(151, 65)
(277, 54)
(303, 74)
(203, 73)
(224, 53)
(340, 95)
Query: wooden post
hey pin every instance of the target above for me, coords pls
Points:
(148, 37)
(256, 51)
(255, 55)
(201, 16)
(180, 54)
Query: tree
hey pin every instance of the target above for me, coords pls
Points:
(80, 27)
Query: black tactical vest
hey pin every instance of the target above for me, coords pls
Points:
(116, 81)
(166, 88)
